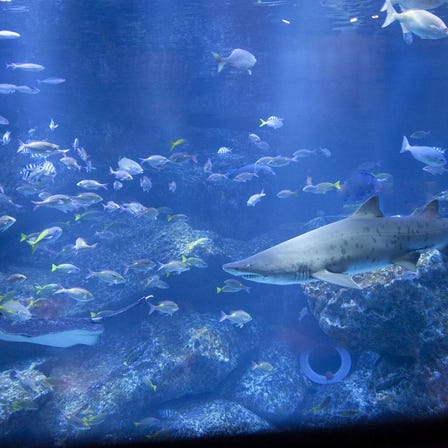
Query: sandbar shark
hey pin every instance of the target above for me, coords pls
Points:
(362, 242)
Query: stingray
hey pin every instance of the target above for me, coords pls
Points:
(63, 332)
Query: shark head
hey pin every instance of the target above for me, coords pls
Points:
(260, 268)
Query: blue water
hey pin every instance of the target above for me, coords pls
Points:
(139, 75)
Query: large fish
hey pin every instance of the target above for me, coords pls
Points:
(364, 241)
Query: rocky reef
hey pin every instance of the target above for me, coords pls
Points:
(189, 375)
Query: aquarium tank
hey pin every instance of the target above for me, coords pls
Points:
(221, 218)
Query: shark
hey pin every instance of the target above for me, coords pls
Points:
(364, 241)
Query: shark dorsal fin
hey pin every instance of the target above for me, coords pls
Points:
(431, 210)
(370, 209)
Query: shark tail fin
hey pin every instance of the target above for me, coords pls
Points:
(391, 14)
(405, 146)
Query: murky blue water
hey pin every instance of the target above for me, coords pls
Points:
(137, 78)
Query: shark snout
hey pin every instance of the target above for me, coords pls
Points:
(234, 268)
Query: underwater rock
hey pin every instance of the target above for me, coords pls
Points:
(272, 394)
(212, 418)
(22, 394)
(390, 315)
(129, 374)
(345, 402)
(378, 387)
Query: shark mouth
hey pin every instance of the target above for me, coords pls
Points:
(250, 276)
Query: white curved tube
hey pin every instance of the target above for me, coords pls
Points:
(339, 375)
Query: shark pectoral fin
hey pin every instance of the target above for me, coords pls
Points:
(408, 261)
(337, 279)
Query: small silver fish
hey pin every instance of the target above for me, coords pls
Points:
(27, 89)
(244, 177)
(6, 137)
(107, 276)
(6, 89)
(156, 282)
(156, 161)
(5, 34)
(254, 138)
(145, 183)
(25, 66)
(90, 184)
(238, 318)
(224, 151)
(172, 186)
(418, 135)
(256, 198)
(6, 222)
(121, 174)
(208, 166)
(70, 162)
(165, 307)
(129, 165)
(111, 206)
(272, 122)
(51, 81)
(53, 125)
(285, 194)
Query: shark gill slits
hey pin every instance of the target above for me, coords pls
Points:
(302, 273)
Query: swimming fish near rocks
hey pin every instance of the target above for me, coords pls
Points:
(237, 318)
(365, 241)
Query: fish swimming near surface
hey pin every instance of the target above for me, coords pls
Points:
(420, 22)
(417, 4)
(362, 242)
